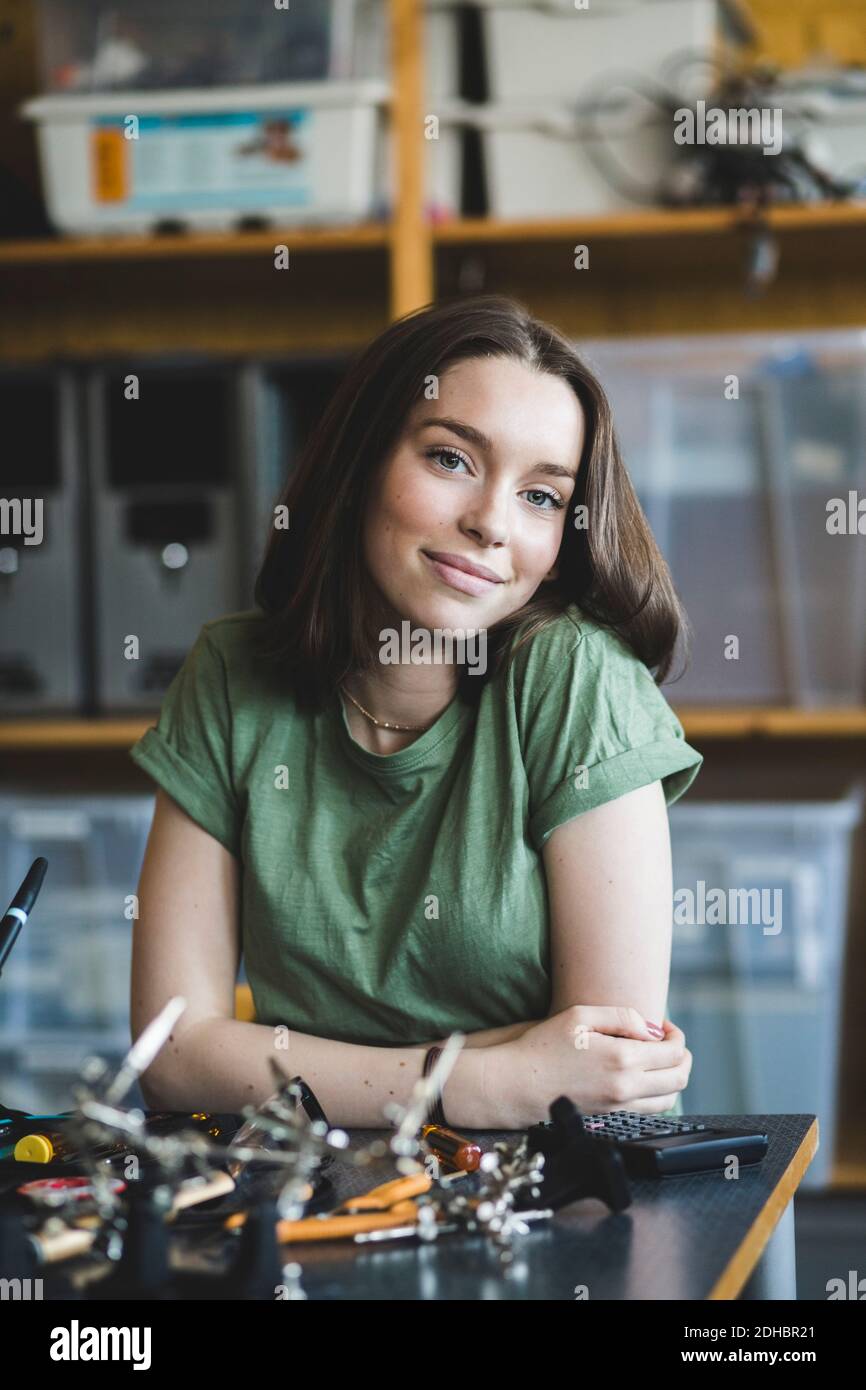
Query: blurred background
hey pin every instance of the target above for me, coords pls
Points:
(206, 208)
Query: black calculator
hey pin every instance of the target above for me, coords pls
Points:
(659, 1146)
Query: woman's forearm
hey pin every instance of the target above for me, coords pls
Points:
(223, 1064)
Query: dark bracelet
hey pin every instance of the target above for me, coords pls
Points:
(435, 1115)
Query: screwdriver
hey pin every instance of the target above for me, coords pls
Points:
(452, 1148)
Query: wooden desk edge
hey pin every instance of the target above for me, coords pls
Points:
(733, 1279)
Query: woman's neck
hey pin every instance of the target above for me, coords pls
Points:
(402, 694)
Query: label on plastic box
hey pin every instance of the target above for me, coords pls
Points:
(110, 166)
(235, 159)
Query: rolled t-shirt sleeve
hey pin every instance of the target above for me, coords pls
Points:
(188, 753)
(593, 726)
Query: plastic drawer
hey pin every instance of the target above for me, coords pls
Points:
(761, 889)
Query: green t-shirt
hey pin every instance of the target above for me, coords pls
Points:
(392, 898)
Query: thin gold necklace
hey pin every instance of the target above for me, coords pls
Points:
(384, 723)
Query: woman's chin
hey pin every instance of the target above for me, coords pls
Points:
(468, 615)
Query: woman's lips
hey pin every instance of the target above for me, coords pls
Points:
(459, 579)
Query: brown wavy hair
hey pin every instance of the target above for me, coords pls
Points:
(313, 587)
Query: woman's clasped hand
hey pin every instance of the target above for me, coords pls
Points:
(602, 1058)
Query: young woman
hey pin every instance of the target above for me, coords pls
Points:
(403, 848)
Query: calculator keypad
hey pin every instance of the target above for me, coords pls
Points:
(628, 1124)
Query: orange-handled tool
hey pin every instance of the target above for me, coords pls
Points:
(390, 1204)
(335, 1227)
(453, 1149)
(387, 1194)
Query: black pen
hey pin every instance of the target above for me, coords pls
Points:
(20, 908)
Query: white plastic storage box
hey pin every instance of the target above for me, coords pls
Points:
(558, 51)
(293, 153)
(64, 992)
(115, 45)
(758, 991)
(736, 492)
(552, 160)
(829, 120)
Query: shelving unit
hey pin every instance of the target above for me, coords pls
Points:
(192, 246)
(661, 271)
(703, 723)
(656, 271)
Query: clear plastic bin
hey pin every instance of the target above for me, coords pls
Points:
(146, 45)
(88, 46)
(64, 993)
(736, 492)
(762, 1050)
(761, 1009)
(779, 875)
(42, 1079)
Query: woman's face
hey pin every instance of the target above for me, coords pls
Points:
(489, 488)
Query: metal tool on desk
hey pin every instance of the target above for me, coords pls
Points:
(411, 1119)
(417, 1205)
(519, 1184)
(128, 1227)
(390, 1204)
(275, 1121)
(62, 1241)
(276, 1134)
(451, 1149)
(130, 1217)
(392, 1210)
(575, 1163)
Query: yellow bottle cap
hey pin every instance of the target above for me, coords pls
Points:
(34, 1148)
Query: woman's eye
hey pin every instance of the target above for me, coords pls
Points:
(549, 501)
(557, 502)
(446, 453)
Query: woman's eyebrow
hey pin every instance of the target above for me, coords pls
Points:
(482, 441)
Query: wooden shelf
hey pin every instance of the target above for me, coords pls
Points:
(214, 296)
(666, 271)
(652, 271)
(652, 222)
(47, 734)
(772, 722)
(192, 245)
